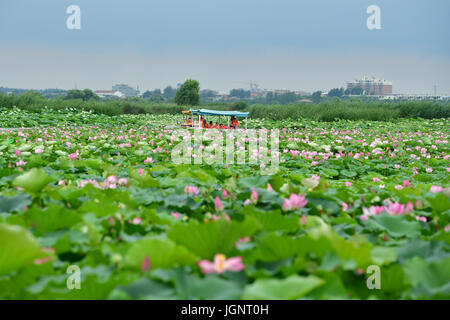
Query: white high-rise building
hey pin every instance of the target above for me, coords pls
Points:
(372, 86)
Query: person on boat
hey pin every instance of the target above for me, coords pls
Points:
(234, 122)
(204, 124)
(211, 125)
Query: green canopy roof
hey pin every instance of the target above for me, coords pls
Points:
(207, 112)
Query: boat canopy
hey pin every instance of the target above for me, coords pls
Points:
(207, 112)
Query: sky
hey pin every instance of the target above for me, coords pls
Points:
(280, 44)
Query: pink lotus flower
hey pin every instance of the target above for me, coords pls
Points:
(447, 228)
(396, 208)
(406, 183)
(176, 215)
(123, 181)
(61, 182)
(225, 194)
(148, 160)
(20, 163)
(418, 204)
(221, 264)
(111, 179)
(409, 207)
(247, 202)
(254, 196)
(344, 206)
(423, 219)
(218, 204)
(111, 221)
(372, 211)
(73, 156)
(18, 152)
(294, 202)
(140, 172)
(42, 260)
(269, 187)
(39, 151)
(242, 240)
(436, 189)
(110, 182)
(45, 259)
(86, 182)
(348, 184)
(429, 170)
(146, 265)
(136, 220)
(303, 219)
(191, 190)
(216, 217)
(376, 179)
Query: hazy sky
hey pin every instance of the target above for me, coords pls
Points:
(286, 44)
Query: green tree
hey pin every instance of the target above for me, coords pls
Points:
(240, 93)
(169, 93)
(84, 95)
(286, 98)
(207, 94)
(240, 105)
(156, 98)
(336, 92)
(316, 96)
(357, 91)
(89, 94)
(74, 94)
(147, 94)
(188, 94)
(269, 97)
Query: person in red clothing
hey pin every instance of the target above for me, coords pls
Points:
(234, 122)
(204, 124)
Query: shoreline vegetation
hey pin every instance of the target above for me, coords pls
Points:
(327, 111)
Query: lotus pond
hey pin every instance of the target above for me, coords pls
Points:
(92, 207)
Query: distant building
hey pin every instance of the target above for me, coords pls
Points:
(285, 91)
(372, 86)
(126, 90)
(281, 91)
(109, 94)
(258, 94)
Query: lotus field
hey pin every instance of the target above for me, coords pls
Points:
(94, 207)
